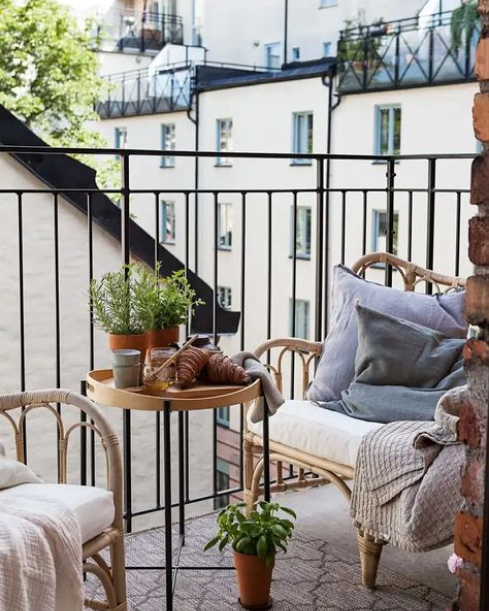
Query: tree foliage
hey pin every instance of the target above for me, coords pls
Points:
(48, 74)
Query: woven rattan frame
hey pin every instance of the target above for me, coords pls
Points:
(312, 470)
(112, 578)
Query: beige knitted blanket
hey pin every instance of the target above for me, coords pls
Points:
(407, 479)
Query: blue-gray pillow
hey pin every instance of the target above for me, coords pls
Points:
(336, 369)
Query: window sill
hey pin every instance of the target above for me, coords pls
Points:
(378, 162)
(225, 248)
(306, 163)
(301, 257)
(223, 165)
(163, 243)
(166, 166)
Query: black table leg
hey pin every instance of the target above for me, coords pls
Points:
(168, 527)
(266, 451)
(181, 478)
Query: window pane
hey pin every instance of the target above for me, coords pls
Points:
(397, 131)
(384, 131)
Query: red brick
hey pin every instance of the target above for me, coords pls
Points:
(484, 7)
(479, 238)
(477, 300)
(482, 59)
(476, 350)
(473, 482)
(470, 590)
(469, 428)
(479, 184)
(480, 116)
(468, 537)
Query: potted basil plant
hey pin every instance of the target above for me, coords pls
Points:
(119, 303)
(255, 540)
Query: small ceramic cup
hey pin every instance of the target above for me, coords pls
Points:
(126, 357)
(126, 376)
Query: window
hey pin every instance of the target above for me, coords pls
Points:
(326, 49)
(303, 233)
(302, 136)
(168, 144)
(326, 3)
(296, 54)
(273, 56)
(224, 295)
(379, 231)
(120, 141)
(301, 328)
(222, 483)
(224, 140)
(388, 130)
(224, 227)
(222, 416)
(167, 222)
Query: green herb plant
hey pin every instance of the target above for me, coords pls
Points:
(261, 534)
(463, 23)
(120, 300)
(173, 300)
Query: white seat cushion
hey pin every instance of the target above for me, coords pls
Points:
(305, 426)
(94, 507)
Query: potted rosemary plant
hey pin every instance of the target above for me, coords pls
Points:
(172, 300)
(255, 541)
(119, 302)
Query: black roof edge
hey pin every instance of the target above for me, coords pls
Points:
(62, 171)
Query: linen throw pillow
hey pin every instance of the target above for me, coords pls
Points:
(336, 369)
(402, 370)
(14, 473)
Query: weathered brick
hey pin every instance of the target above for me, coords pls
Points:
(477, 351)
(480, 115)
(479, 239)
(468, 537)
(469, 427)
(484, 7)
(473, 481)
(477, 300)
(482, 59)
(470, 590)
(479, 193)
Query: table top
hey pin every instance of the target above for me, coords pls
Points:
(100, 388)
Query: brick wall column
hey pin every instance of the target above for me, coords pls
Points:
(474, 416)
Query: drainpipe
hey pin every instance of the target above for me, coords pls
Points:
(328, 81)
(286, 29)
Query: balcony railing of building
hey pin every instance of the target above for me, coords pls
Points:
(415, 206)
(412, 52)
(143, 31)
(162, 89)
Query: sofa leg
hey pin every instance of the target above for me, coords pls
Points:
(370, 552)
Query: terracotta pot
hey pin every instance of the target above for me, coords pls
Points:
(138, 341)
(159, 338)
(254, 579)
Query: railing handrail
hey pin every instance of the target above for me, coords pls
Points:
(48, 150)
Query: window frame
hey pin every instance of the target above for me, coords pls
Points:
(376, 214)
(227, 293)
(163, 214)
(267, 47)
(327, 45)
(222, 469)
(296, 54)
(227, 244)
(391, 129)
(302, 211)
(298, 139)
(118, 130)
(168, 161)
(224, 161)
(307, 326)
(223, 416)
(328, 3)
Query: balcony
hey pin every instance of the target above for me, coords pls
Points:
(413, 52)
(59, 231)
(144, 32)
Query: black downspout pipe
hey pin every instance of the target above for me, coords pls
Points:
(328, 81)
(286, 29)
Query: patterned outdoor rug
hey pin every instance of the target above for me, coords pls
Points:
(312, 576)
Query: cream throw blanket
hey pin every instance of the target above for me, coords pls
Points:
(407, 479)
(40, 550)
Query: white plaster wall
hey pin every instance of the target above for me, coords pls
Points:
(112, 62)
(40, 335)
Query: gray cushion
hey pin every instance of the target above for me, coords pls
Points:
(444, 313)
(402, 370)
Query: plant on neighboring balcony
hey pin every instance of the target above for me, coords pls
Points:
(360, 43)
(463, 24)
(255, 540)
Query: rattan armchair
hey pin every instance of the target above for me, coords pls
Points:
(112, 578)
(310, 470)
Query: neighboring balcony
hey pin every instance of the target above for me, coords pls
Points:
(142, 31)
(412, 52)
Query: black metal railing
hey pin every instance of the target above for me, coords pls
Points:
(143, 31)
(53, 246)
(406, 53)
(164, 88)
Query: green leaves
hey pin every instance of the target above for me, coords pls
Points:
(261, 533)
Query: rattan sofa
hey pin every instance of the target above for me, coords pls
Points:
(99, 511)
(321, 445)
